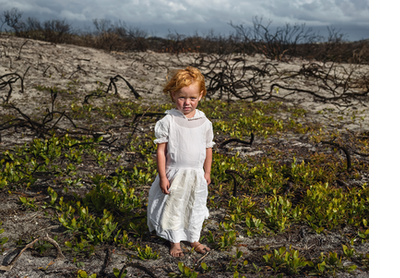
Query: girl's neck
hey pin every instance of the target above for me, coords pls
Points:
(189, 115)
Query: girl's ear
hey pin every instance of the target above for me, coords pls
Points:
(201, 95)
(172, 95)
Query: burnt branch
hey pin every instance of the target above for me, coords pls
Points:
(113, 85)
(26, 122)
(39, 128)
(347, 153)
(13, 78)
(60, 255)
(233, 175)
(223, 144)
(334, 83)
(78, 69)
(231, 77)
(107, 261)
(20, 49)
(47, 68)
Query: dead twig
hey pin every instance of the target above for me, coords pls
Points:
(60, 255)
(109, 88)
(39, 128)
(115, 79)
(197, 264)
(347, 153)
(223, 144)
(107, 261)
(20, 49)
(14, 77)
(79, 68)
(232, 173)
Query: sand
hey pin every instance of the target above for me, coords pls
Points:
(83, 70)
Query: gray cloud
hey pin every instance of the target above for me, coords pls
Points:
(189, 16)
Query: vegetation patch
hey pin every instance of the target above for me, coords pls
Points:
(289, 193)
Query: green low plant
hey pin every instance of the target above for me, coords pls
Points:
(278, 213)
(288, 261)
(227, 240)
(184, 271)
(333, 262)
(245, 212)
(330, 264)
(117, 273)
(104, 202)
(348, 252)
(138, 227)
(55, 155)
(79, 221)
(237, 263)
(254, 225)
(117, 196)
(83, 274)
(210, 237)
(363, 234)
(3, 240)
(303, 173)
(205, 268)
(123, 239)
(80, 245)
(147, 253)
(266, 178)
(28, 203)
(53, 196)
(241, 120)
(326, 207)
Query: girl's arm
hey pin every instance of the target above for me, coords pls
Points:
(207, 165)
(161, 162)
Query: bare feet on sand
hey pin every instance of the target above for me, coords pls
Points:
(175, 250)
(199, 248)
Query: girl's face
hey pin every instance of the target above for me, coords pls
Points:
(187, 99)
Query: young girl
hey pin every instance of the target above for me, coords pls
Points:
(184, 137)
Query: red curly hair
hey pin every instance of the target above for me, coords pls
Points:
(185, 77)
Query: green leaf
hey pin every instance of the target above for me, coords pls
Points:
(82, 274)
(180, 266)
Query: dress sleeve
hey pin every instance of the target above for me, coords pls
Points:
(161, 130)
(209, 136)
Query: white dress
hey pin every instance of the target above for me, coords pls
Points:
(179, 216)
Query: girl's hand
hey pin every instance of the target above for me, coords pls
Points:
(165, 185)
(208, 178)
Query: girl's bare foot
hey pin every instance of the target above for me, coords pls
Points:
(175, 250)
(199, 248)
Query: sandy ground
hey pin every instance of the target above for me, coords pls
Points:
(84, 70)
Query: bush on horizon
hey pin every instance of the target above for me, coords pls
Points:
(289, 41)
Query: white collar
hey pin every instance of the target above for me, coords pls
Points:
(175, 112)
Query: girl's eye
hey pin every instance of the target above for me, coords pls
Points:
(193, 98)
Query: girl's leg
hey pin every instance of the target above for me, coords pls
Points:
(175, 250)
(199, 248)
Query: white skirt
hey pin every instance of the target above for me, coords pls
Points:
(179, 216)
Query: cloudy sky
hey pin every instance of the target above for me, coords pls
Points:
(159, 17)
